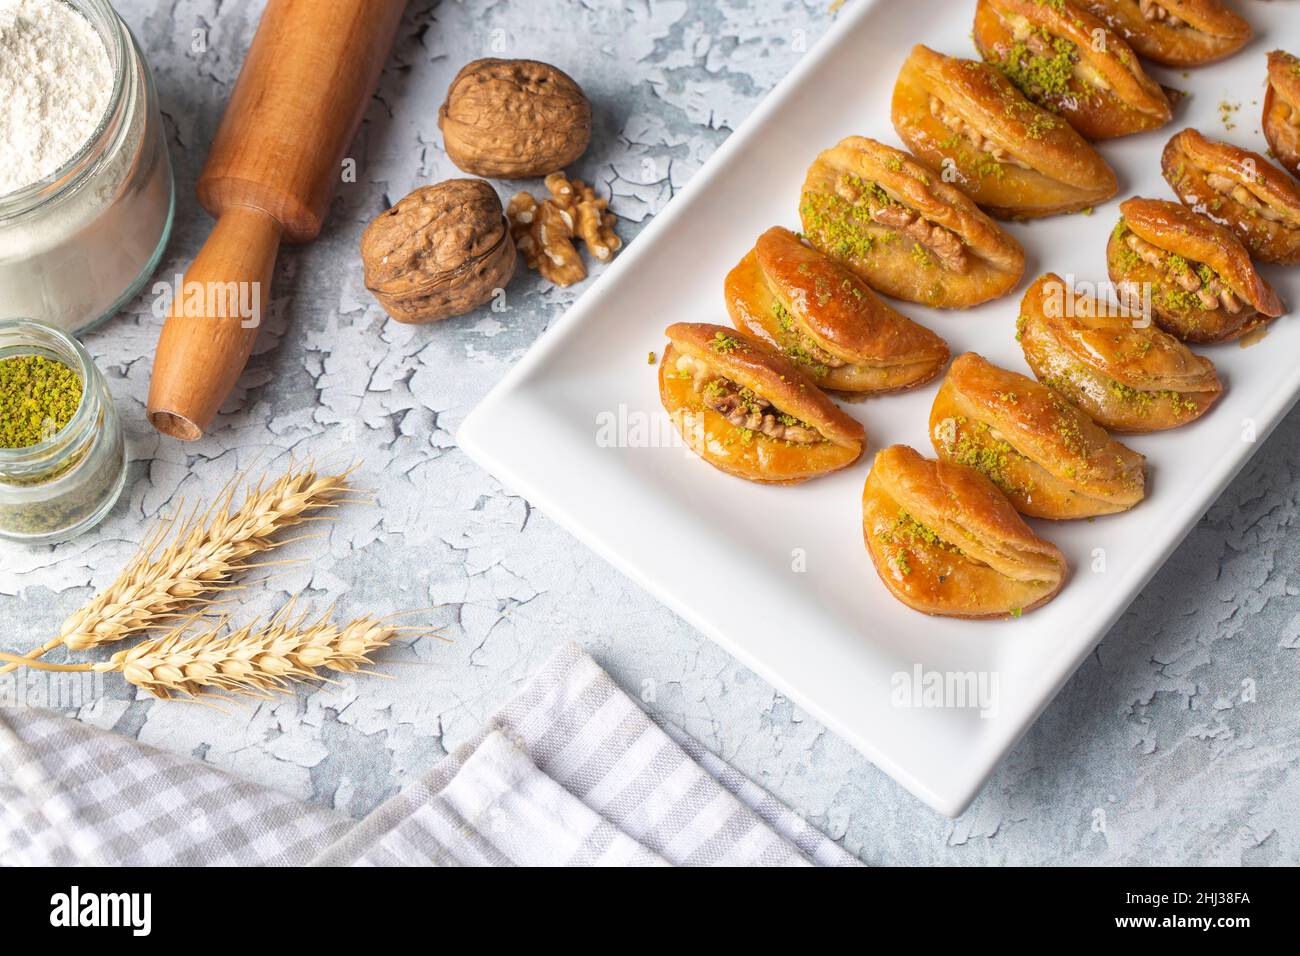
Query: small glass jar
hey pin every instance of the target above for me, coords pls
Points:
(78, 245)
(64, 485)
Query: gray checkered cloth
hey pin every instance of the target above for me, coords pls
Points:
(570, 772)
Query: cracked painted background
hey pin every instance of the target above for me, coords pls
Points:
(1153, 753)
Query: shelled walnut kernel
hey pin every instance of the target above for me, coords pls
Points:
(544, 232)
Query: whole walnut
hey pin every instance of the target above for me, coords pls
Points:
(440, 252)
(514, 119)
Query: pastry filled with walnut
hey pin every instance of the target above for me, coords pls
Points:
(1065, 59)
(514, 119)
(898, 225)
(1048, 457)
(1125, 373)
(825, 319)
(1282, 109)
(1174, 32)
(1239, 189)
(946, 541)
(441, 251)
(1016, 159)
(749, 411)
(1202, 285)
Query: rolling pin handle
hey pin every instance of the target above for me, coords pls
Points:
(213, 322)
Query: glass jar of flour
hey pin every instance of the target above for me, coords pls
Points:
(86, 192)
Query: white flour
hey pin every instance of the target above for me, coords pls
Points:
(72, 255)
(55, 82)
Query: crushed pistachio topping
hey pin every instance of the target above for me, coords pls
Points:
(1177, 300)
(822, 291)
(831, 227)
(724, 343)
(906, 530)
(1126, 260)
(1143, 400)
(1070, 434)
(1226, 111)
(1041, 75)
(38, 396)
(784, 321)
(801, 356)
(990, 458)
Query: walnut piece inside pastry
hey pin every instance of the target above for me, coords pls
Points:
(946, 541)
(1124, 372)
(1202, 284)
(827, 320)
(1014, 158)
(903, 229)
(1282, 109)
(1238, 189)
(1049, 458)
(749, 411)
(1174, 32)
(1064, 58)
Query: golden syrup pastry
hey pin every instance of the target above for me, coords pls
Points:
(904, 230)
(1125, 373)
(1065, 59)
(825, 319)
(1238, 189)
(1282, 109)
(749, 411)
(1048, 457)
(1203, 286)
(946, 541)
(1174, 32)
(1014, 158)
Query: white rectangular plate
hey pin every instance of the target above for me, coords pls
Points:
(722, 552)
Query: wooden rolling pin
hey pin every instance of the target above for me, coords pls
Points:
(270, 176)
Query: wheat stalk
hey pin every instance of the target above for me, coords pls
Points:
(206, 551)
(253, 660)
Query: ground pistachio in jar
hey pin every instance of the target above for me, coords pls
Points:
(62, 454)
(38, 397)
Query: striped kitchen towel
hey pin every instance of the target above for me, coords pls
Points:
(570, 772)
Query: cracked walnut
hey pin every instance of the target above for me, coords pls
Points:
(545, 231)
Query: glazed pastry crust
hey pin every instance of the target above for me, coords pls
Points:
(1129, 102)
(945, 541)
(1175, 229)
(1210, 32)
(742, 359)
(1127, 378)
(827, 320)
(1262, 205)
(1282, 109)
(1051, 168)
(837, 210)
(1048, 457)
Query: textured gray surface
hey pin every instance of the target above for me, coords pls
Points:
(1175, 742)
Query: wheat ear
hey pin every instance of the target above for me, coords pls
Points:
(205, 552)
(253, 660)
